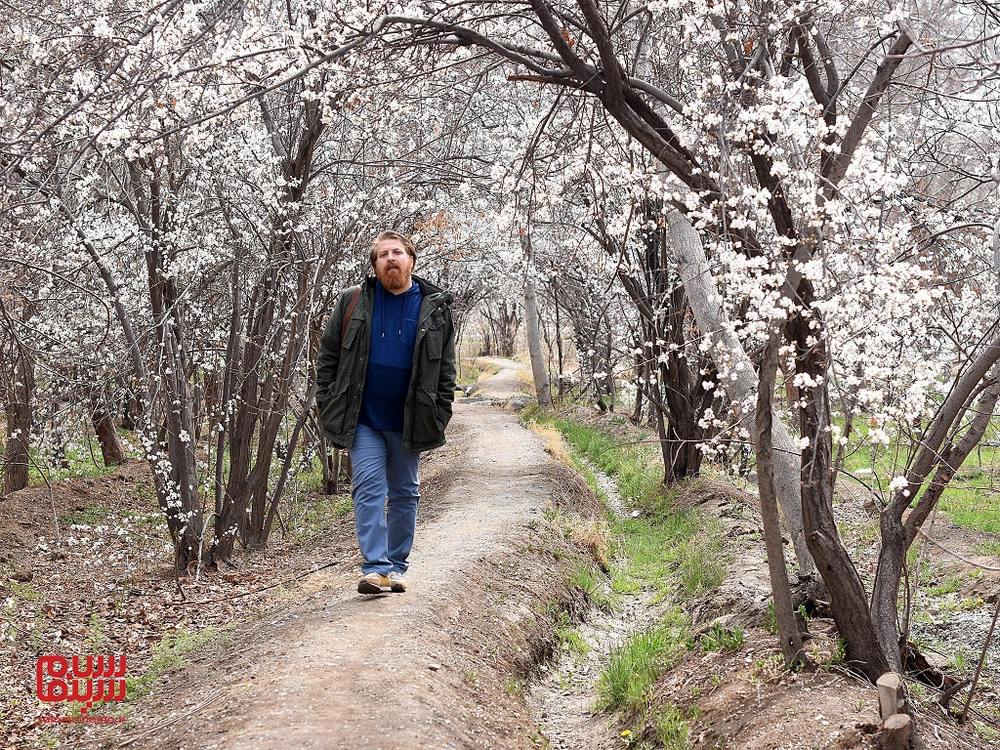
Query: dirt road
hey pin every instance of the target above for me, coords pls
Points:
(413, 670)
(506, 382)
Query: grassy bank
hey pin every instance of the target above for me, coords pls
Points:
(659, 549)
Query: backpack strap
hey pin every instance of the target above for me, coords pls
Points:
(350, 311)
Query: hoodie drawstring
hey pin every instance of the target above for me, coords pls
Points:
(380, 299)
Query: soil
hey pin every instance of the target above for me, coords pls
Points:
(957, 589)
(745, 700)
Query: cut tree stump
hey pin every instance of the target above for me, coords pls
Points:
(895, 733)
(888, 694)
(895, 724)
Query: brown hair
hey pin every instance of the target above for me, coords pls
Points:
(407, 243)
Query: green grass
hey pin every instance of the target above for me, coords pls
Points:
(636, 468)
(91, 515)
(970, 499)
(584, 470)
(24, 591)
(168, 654)
(770, 622)
(989, 547)
(311, 479)
(82, 460)
(960, 659)
(96, 628)
(965, 604)
(514, 686)
(678, 553)
(569, 638)
(770, 619)
(587, 579)
(949, 585)
(968, 506)
(986, 731)
(584, 577)
(681, 553)
(472, 370)
(672, 550)
(148, 519)
(721, 638)
(321, 513)
(672, 729)
(634, 667)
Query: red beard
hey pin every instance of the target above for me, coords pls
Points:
(394, 278)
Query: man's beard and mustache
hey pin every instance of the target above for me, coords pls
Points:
(394, 278)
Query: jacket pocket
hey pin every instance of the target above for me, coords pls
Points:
(332, 415)
(335, 408)
(434, 343)
(429, 367)
(427, 424)
(348, 361)
(351, 334)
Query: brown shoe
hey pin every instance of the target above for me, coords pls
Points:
(396, 582)
(373, 583)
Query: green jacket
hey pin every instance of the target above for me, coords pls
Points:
(342, 365)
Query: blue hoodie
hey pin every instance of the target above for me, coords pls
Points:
(390, 357)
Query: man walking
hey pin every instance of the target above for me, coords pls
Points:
(385, 380)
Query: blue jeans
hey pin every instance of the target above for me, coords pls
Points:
(381, 470)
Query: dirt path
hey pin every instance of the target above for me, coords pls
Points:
(398, 671)
(506, 382)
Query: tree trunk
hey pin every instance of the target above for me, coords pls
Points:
(848, 598)
(333, 467)
(130, 415)
(640, 371)
(788, 628)
(104, 428)
(18, 409)
(897, 536)
(176, 488)
(179, 497)
(273, 336)
(728, 353)
(286, 466)
(663, 312)
(559, 349)
(500, 332)
(609, 381)
(669, 475)
(535, 344)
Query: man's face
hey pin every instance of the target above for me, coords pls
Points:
(393, 265)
